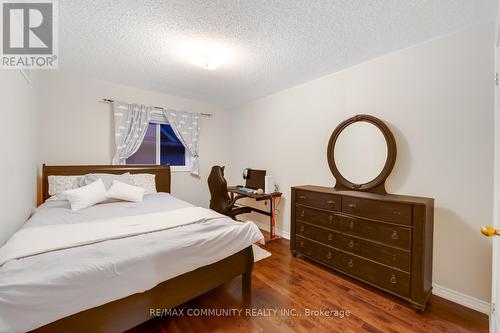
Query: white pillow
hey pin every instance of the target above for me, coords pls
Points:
(86, 196)
(125, 192)
(146, 181)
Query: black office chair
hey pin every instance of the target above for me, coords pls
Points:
(219, 198)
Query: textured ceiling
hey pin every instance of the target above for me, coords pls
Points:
(275, 44)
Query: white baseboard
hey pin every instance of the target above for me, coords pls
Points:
(462, 299)
(265, 226)
(446, 293)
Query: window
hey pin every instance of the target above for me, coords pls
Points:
(161, 146)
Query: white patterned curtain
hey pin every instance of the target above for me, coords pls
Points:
(186, 126)
(131, 124)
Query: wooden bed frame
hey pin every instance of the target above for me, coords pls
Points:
(128, 312)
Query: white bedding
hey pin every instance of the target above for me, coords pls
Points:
(40, 289)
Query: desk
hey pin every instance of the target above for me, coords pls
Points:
(260, 197)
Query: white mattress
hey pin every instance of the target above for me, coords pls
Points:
(37, 290)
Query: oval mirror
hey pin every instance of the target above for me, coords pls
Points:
(361, 153)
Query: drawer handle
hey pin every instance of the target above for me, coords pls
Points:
(301, 243)
(330, 236)
(303, 197)
(330, 218)
(329, 255)
(351, 243)
(352, 205)
(331, 202)
(394, 257)
(397, 212)
(350, 263)
(351, 225)
(302, 228)
(393, 279)
(395, 235)
(302, 213)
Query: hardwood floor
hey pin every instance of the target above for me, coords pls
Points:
(283, 282)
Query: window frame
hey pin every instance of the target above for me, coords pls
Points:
(174, 168)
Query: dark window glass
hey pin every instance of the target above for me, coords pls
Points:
(171, 149)
(147, 152)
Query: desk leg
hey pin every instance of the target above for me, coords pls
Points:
(272, 222)
(272, 232)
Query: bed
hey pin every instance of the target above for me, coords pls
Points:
(114, 285)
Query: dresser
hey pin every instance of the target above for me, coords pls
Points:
(384, 240)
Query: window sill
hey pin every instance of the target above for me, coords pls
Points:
(174, 168)
(177, 168)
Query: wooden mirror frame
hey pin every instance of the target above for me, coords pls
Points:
(377, 185)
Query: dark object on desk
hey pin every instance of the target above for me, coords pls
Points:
(245, 189)
(255, 178)
(219, 197)
(259, 197)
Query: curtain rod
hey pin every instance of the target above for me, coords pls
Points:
(111, 101)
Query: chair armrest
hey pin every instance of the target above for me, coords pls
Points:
(237, 197)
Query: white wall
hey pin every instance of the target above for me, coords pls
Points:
(76, 129)
(437, 98)
(18, 169)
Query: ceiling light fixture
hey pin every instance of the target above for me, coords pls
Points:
(207, 55)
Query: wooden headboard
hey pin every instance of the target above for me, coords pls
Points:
(162, 173)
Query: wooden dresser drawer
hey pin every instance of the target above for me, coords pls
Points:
(387, 234)
(318, 217)
(379, 210)
(325, 236)
(385, 277)
(386, 255)
(319, 200)
(382, 239)
(317, 251)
